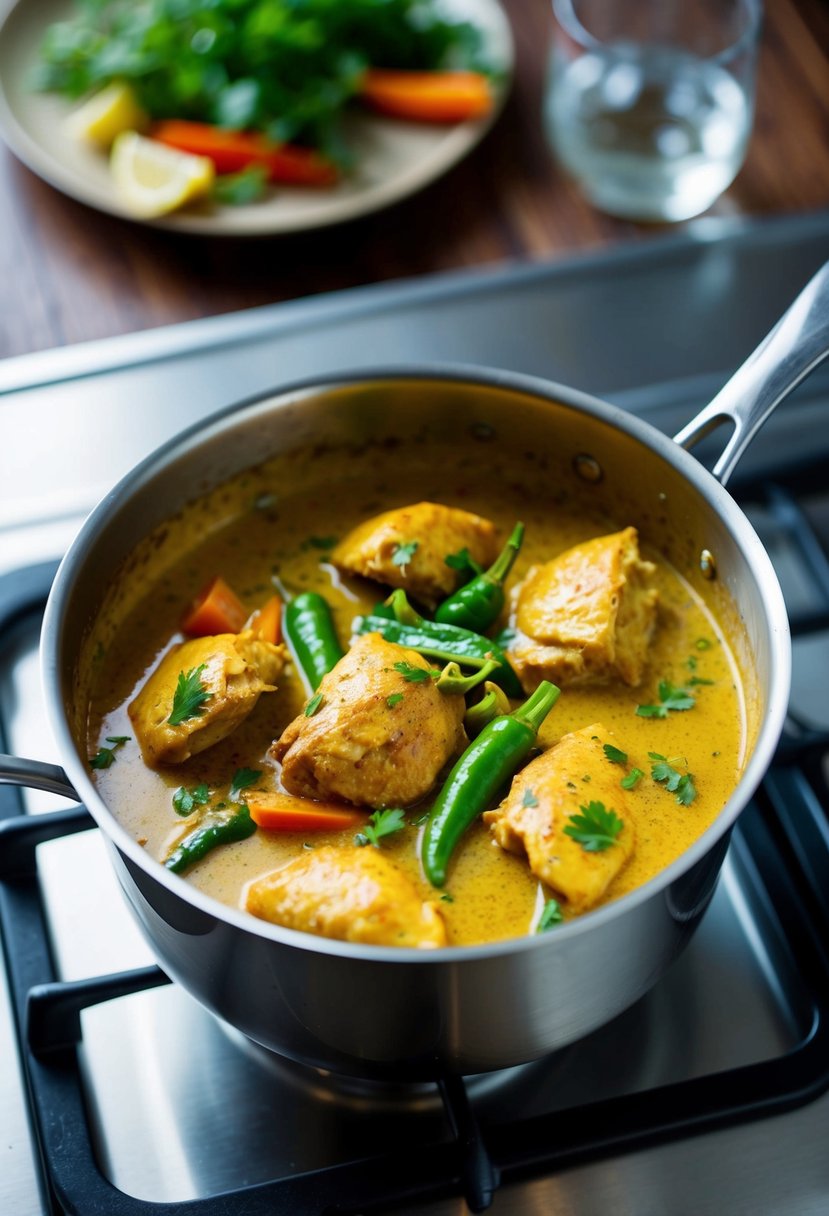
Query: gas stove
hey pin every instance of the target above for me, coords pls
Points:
(120, 1095)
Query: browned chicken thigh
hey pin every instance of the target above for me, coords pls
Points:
(543, 797)
(349, 893)
(382, 732)
(227, 672)
(408, 548)
(587, 616)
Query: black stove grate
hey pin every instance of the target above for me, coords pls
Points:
(782, 842)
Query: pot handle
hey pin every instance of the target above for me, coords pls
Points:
(36, 775)
(796, 345)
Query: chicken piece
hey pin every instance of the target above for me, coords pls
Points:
(360, 748)
(425, 534)
(587, 616)
(233, 669)
(352, 894)
(543, 796)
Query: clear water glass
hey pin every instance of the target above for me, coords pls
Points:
(650, 103)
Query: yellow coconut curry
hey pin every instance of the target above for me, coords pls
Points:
(411, 708)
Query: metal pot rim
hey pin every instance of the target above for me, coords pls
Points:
(720, 501)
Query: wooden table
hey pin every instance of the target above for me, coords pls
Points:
(68, 274)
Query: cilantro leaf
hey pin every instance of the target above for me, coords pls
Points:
(698, 680)
(319, 542)
(464, 562)
(529, 798)
(394, 699)
(415, 675)
(380, 824)
(185, 800)
(237, 189)
(446, 898)
(703, 643)
(595, 829)
(671, 698)
(243, 778)
(631, 779)
(404, 552)
(681, 784)
(105, 756)
(189, 697)
(313, 705)
(550, 916)
(614, 754)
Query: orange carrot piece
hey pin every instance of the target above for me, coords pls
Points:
(427, 96)
(232, 151)
(217, 609)
(283, 813)
(267, 620)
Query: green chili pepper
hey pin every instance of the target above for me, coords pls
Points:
(309, 631)
(438, 641)
(212, 831)
(492, 704)
(452, 680)
(478, 603)
(483, 768)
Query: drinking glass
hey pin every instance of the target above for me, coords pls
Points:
(650, 103)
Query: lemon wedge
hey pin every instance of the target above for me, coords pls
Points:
(153, 179)
(106, 115)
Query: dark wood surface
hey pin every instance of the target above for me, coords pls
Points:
(68, 274)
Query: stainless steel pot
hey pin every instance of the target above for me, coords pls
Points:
(389, 1013)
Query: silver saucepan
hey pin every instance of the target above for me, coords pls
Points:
(406, 1014)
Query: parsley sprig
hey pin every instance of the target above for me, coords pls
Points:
(681, 784)
(184, 800)
(415, 675)
(671, 699)
(243, 779)
(595, 829)
(105, 756)
(550, 916)
(404, 553)
(189, 697)
(380, 824)
(614, 754)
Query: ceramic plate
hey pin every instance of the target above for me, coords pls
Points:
(392, 158)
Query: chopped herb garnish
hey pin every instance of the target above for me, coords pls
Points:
(586, 778)
(313, 705)
(595, 829)
(703, 643)
(189, 697)
(631, 779)
(185, 800)
(698, 680)
(463, 561)
(394, 699)
(243, 778)
(671, 698)
(380, 824)
(415, 675)
(446, 898)
(681, 784)
(550, 916)
(404, 553)
(105, 756)
(614, 754)
(237, 189)
(529, 798)
(691, 663)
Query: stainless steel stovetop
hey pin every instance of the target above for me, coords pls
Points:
(709, 1096)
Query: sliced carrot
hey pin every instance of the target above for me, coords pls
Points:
(427, 96)
(267, 620)
(217, 609)
(283, 813)
(232, 151)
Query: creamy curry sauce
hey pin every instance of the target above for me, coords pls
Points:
(260, 535)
